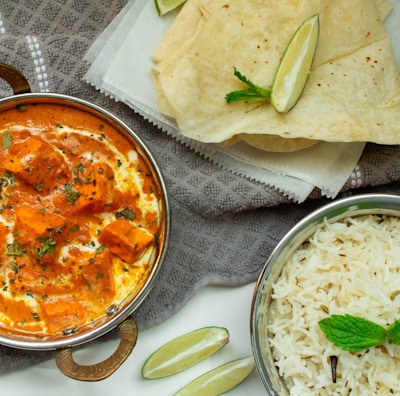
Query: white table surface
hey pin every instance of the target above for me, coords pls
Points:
(219, 306)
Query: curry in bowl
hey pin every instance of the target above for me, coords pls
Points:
(81, 219)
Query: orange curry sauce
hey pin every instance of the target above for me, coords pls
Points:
(79, 219)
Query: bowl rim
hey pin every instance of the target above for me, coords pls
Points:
(356, 205)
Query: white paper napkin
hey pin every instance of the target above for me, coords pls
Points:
(120, 67)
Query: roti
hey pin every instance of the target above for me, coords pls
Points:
(352, 94)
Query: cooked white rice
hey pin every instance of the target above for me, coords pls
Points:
(352, 267)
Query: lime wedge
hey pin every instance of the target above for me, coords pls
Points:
(294, 67)
(164, 6)
(184, 351)
(219, 380)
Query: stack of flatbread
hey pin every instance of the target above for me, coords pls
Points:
(353, 90)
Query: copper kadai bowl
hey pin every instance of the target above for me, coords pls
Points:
(144, 257)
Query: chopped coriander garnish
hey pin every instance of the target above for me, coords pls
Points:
(38, 186)
(48, 245)
(72, 196)
(7, 179)
(79, 168)
(100, 249)
(127, 214)
(15, 268)
(14, 249)
(6, 141)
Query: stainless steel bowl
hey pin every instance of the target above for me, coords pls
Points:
(384, 204)
(121, 318)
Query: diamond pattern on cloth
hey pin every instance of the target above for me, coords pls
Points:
(223, 226)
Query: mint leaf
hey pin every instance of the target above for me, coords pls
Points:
(253, 93)
(393, 333)
(353, 333)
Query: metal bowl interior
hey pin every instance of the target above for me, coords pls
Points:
(131, 302)
(384, 204)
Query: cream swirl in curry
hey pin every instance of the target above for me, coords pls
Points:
(79, 219)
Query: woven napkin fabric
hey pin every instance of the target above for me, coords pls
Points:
(223, 226)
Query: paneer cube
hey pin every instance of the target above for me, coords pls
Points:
(62, 314)
(31, 223)
(36, 163)
(94, 191)
(125, 240)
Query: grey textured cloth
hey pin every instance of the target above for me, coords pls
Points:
(223, 226)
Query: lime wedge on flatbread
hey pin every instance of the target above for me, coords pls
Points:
(294, 68)
(164, 6)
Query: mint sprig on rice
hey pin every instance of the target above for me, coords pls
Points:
(355, 334)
